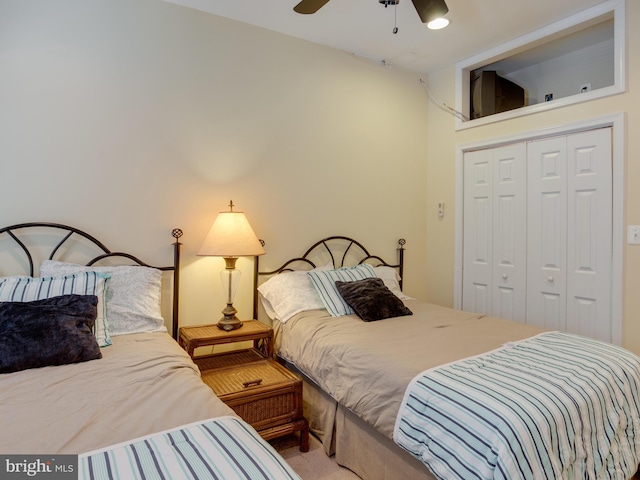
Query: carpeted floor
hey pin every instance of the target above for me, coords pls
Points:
(311, 465)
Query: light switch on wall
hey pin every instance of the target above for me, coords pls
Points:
(633, 234)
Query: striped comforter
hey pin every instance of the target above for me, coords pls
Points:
(221, 448)
(552, 406)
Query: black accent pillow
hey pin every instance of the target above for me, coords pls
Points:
(54, 331)
(371, 299)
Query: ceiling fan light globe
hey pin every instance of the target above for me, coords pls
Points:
(429, 10)
(438, 23)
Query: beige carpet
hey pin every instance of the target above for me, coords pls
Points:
(314, 464)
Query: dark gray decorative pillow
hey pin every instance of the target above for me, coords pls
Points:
(54, 331)
(371, 299)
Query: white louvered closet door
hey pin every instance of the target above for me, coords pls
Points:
(537, 240)
(495, 232)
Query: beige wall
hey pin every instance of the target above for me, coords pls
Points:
(128, 118)
(441, 171)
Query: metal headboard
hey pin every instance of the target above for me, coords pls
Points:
(315, 250)
(13, 232)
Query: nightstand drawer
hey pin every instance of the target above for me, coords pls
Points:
(262, 392)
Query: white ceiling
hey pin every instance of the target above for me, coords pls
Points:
(365, 27)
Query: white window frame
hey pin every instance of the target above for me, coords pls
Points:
(525, 42)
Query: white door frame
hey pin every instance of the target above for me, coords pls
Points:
(617, 122)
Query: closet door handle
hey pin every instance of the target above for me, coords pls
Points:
(504, 276)
(550, 279)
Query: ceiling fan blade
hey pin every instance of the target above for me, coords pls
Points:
(430, 9)
(309, 6)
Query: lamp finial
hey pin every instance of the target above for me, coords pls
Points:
(231, 205)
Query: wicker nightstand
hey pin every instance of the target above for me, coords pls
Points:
(264, 393)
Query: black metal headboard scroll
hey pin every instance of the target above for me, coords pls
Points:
(323, 246)
(13, 232)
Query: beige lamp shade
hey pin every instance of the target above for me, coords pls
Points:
(231, 236)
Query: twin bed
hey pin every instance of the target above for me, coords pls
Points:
(89, 368)
(394, 387)
(440, 393)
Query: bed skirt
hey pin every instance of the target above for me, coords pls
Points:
(356, 444)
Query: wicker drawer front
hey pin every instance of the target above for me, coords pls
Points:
(280, 407)
(232, 379)
(263, 392)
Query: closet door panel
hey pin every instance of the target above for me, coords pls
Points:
(509, 232)
(478, 220)
(547, 233)
(590, 234)
(552, 306)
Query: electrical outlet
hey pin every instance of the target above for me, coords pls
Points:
(633, 234)
(441, 209)
(585, 87)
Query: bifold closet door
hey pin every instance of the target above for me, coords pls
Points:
(570, 233)
(547, 233)
(537, 240)
(494, 279)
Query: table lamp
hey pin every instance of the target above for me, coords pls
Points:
(230, 237)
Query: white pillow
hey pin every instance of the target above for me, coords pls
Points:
(28, 289)
(288, 293)
(390, 277)
(325, 284)
(133, 296)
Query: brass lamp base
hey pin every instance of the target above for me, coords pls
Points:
(229, 321)
(228, 324)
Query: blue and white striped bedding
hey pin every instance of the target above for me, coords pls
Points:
(220, 448)
(552, 406)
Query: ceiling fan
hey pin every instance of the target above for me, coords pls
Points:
(428, 10)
